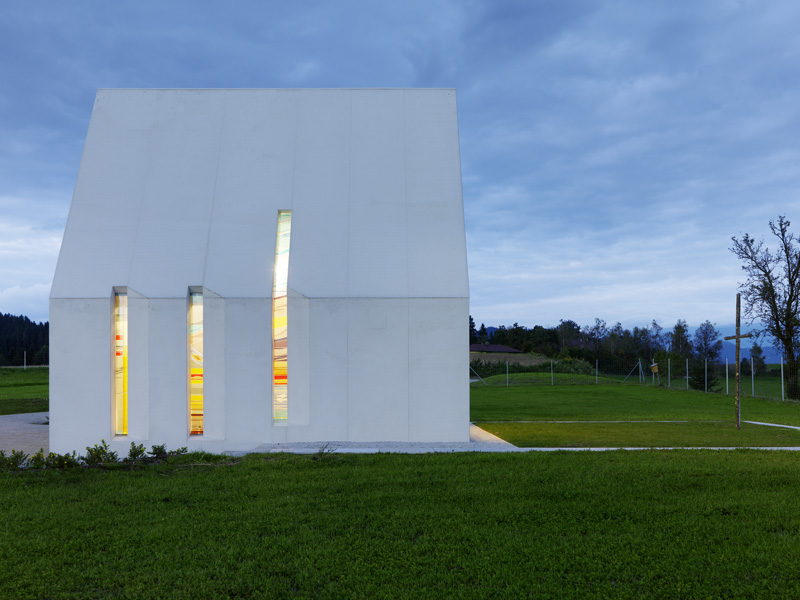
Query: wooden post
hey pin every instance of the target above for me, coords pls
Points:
(738, 337)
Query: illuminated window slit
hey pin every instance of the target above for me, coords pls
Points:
(121, 364)
(195, 363)
(280, 407)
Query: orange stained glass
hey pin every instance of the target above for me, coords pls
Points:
(195, 363)
(121, 364)
(280, 397)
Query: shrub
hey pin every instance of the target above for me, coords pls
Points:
(98, 454)
(136, 455)
(15, 460)
(40, 460)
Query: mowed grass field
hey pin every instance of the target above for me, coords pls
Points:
(628, 416)
(24, 390)
(583, 525)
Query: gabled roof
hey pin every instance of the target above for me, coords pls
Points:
(182, 188)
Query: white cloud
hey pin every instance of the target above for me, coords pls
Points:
(609, 150)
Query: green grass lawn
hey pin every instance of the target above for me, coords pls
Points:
(24, 390)
(694, 434)
(619, 402)
(677, 524)
(710, 417)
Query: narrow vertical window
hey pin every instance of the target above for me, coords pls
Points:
(195, 363)
(121, 364)
(280, 408)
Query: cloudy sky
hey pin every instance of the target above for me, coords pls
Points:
(610, 149)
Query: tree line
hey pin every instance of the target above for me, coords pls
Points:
(18, 336)
(617, 344)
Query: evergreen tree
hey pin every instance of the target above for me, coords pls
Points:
(20, 336)
(473, 333)
(678, 339)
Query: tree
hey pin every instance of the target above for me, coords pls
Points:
(707, 348)
(678, 339)
(772, 293)
(544, 340)
(473, 333)
(596, 334)
(744, 367)
(757, 360)
(568, 331)
(656, 336)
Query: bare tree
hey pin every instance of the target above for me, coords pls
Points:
(772, 293)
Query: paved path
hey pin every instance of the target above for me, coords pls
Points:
(27, 432)
(480, 441)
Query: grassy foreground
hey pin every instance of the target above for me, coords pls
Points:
(24, 390)
(678, 524)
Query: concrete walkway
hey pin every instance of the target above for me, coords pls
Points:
(27, 432)
(480, 441)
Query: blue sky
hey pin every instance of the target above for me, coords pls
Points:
(609, 149)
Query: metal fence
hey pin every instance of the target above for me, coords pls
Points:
(680, 373)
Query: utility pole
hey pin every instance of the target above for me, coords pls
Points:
(738, 337)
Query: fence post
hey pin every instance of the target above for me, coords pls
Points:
(726, 376)
(552, 381)
(781, 378)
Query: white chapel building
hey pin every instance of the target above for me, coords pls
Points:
(251, 267)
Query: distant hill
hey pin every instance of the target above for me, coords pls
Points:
(771, 355)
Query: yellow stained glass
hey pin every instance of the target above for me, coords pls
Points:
(195, 363)
(280, 406)
(121, 364)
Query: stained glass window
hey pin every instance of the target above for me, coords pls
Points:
(121, 364)
(195, 363)
(280, 407)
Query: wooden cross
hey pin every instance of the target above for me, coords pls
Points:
(738, 337)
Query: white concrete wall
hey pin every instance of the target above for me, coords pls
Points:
(181, 188)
